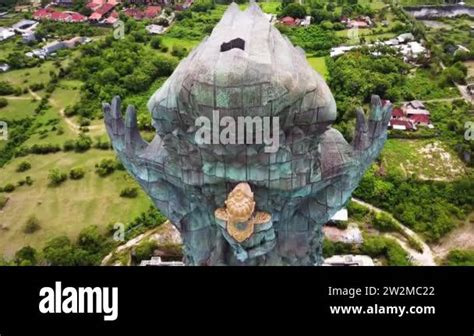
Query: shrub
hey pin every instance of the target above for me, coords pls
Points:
(56, 177)
(26, 256)
(3, 102)
(130, 192)
(68, 145)
(144, 250)
(84, 122)
(155, 42)
(331, 248)
(9, 188)
(23, 166)
(460, 258)
(76, 173)
(37, 86)
(28, 180)
(379, 246)
(105, 167)
(384, 222)
(32, 225)
(82, 144)
(294, 10)
(178, 51)
(44, 149)
(3, 201)
(6, 88)
(101, 144)
(357, 211)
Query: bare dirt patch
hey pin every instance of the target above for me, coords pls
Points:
(460, 238)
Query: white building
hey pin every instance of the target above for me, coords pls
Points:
(6, 33)
(4, 67)
(25, 26)
(155, 29)
(156, 261)
(348, 260)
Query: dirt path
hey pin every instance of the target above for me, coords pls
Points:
(76, 128)
(438, 100)
(423, 259)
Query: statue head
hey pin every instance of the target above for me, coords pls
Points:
(240, 203)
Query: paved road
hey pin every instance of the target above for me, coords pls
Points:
(422, 259)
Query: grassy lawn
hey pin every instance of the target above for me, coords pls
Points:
(169, 42)
(271, 7)
(65, 94)
(10, 19)
(428, 159)
(26, 77)
(18, 108)
(68, 208)
(7, 46)
(319, 64)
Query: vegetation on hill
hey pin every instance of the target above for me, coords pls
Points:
(460, 258)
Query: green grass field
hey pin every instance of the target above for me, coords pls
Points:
(68, 208)
(319, 64)
(26, 77)
(18, 108)
(169, 42)
(271, 7)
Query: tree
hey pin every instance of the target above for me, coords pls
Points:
(32, 225)
(91, 240)
(105, 167)
(3, 102)
(330, 7)
(56, 177)
(294, 10)
(129, 192)
(145, 250)
(60, 252)
(76, 173)
(26, 256)
(155, 42)
(6, 88)
(23, 166)
(453, 73)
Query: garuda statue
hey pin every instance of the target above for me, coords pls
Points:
(236, 202)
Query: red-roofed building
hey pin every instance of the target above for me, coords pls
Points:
(113, 17)
(59, 16)
(134, 13)
(101, 12)
(152, 11)
(288, 20)
(95, 16)
(76, 17)
(397, 113)
(421, 119)
(51, 14)
(41, 14)
(409, 116)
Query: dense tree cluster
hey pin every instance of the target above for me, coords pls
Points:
(312, 39)
(116, 67)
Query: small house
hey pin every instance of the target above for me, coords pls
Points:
(288, 20)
